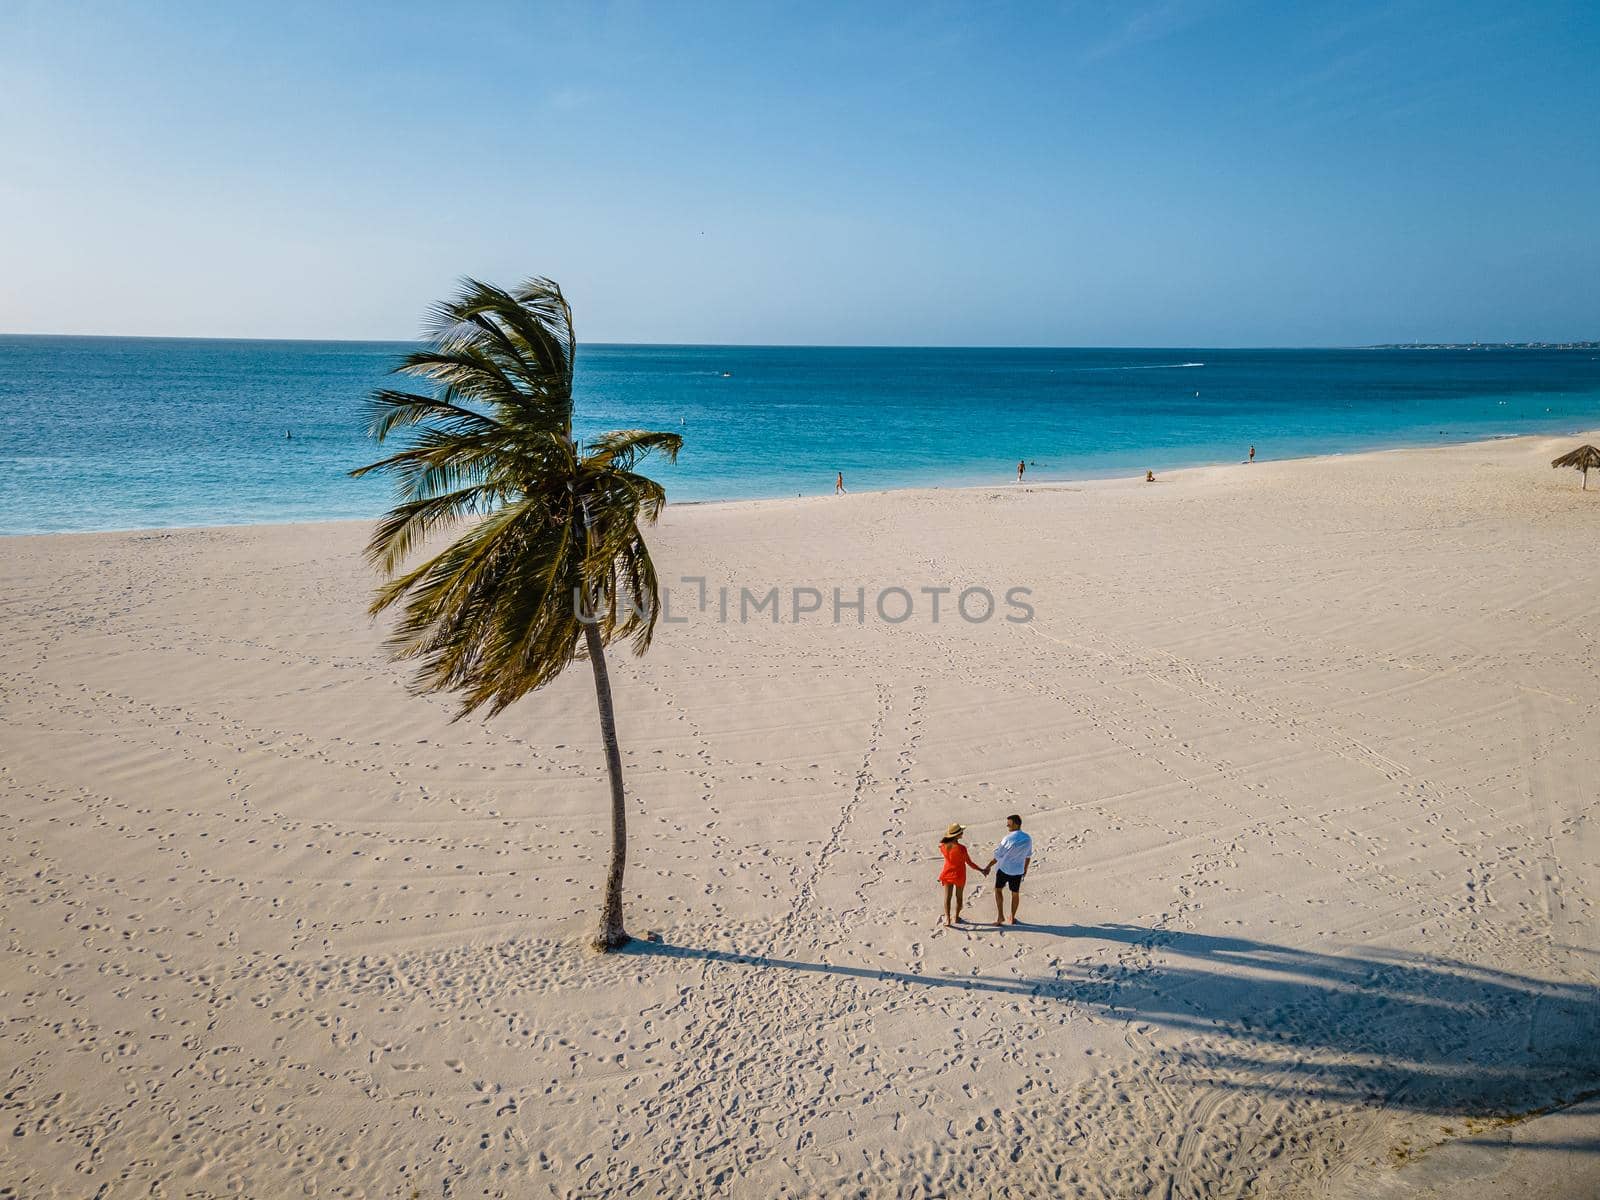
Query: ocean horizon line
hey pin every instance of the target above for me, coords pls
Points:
(1441, 344)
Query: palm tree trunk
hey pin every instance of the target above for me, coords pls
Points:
(611, 933)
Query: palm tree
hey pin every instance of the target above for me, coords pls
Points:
(552, 565)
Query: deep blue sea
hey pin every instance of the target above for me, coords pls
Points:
(118, 433)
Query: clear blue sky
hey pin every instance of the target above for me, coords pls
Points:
(989, 174)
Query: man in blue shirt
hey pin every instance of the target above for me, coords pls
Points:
(1011, 858)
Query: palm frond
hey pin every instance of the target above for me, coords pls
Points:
(529, 332)
(468, 369)
(388, 410)
(407, 524)
(437, 461)
(623, 448)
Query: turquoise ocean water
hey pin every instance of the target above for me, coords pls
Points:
(117, 433)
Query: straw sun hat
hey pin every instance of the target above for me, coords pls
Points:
(955, 830)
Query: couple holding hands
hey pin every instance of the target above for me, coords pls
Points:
(1010, 859)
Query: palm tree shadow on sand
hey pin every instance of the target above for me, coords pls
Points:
(1413, 1032)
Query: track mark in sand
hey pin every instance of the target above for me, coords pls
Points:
(1182, 674)
(892, 844)
(1554, 771)
(1227, 700)
(863, 783)
(794, 1018)
(1197, 1126)
(1549, 864)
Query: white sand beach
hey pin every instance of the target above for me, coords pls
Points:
(1308, 751)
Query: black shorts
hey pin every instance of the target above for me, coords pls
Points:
(1001, 879)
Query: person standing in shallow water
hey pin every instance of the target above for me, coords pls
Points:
(1252, 454)
(838, 484)
(1021, 467)
(954, 874)
(1011, 859)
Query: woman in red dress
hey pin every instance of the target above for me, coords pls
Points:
(954, 875)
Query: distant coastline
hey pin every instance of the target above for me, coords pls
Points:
(1485, 346)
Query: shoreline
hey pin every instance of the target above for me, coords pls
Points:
(1077, 482)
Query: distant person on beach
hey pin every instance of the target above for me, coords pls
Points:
(1021, 467)
(1149, 476)
(954, 874)
(1011, 859)
(1252, 454)
(838, 485)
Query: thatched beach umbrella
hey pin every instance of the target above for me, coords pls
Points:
(1582, 459)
